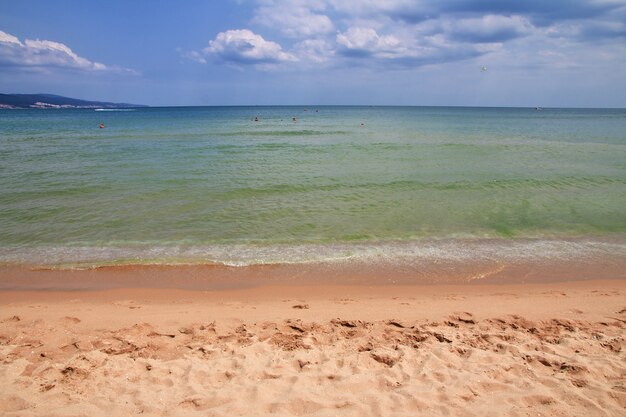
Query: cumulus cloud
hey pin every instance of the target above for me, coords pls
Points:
(293, 20)
(242, 46)
(408, 33)
(314, 50)
(361, 42)
(406, 51)
(45, 54)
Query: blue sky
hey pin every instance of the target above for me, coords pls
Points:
(403, 52)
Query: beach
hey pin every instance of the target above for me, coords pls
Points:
(291, 348)
(329, 209)
(336, 260)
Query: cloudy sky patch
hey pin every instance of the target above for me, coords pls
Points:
(45, 55)
(333, 51)
(242, 46)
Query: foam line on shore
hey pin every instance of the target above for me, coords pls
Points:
(403, 253)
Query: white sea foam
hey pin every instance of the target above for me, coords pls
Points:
(401, 253)
(113, 109)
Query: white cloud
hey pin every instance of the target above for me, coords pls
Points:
(55, 53)
(294, 21)
(404, 49)
(43, 54)
(359, 41)
(7, 38)
(314, 50)
(242, 46)
(405, 33)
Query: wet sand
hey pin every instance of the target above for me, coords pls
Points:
(291, 347)
(219, 277)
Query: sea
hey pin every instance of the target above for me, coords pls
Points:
(258, 185)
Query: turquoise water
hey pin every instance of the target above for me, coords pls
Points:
(209, 184)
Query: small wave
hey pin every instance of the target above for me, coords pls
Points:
(113, 109)
(399, 253)
(284, 133)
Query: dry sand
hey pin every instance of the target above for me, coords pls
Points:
(324, 350)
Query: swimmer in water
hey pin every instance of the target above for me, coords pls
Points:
(256, 119)
(101, 125)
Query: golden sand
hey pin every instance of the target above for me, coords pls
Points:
(317, 350)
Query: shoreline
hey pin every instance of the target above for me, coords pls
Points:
(203, 277)
(537, 336)
(411, 251)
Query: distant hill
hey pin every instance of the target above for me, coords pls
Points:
(51, 101)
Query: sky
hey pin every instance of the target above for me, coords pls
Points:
(550, 53)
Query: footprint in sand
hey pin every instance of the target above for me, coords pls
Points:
(72, 320)
(14, 403)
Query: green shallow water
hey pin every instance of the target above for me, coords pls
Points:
(190, 183)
